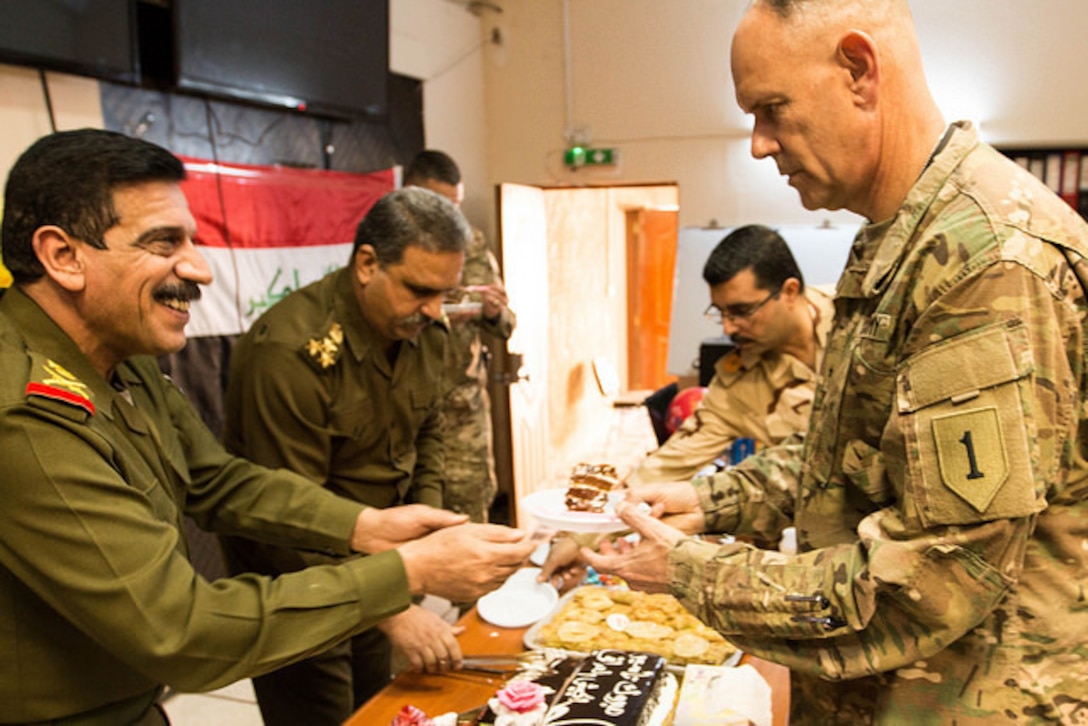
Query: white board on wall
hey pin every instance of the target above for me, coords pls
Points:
(820, 252)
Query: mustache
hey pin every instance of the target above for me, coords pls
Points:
(415, 319)
(186, 291)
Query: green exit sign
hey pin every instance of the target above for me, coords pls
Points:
(586, 156)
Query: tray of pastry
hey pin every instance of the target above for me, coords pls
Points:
(592, 617)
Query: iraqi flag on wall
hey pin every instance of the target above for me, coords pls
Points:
(266, 231)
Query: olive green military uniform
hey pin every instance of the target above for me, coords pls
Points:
(470, 459)
(312, 390)
(941, 506)
(99, 604)
(762, 397)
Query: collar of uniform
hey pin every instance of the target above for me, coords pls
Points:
(45, 337)
(891, 238)
(358, 333)
(732, 365)
(822, 309)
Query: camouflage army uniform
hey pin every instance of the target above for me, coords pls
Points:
(940, 507)
(765, 398)
(470, 461)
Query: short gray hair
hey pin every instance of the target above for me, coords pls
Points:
(412, 216)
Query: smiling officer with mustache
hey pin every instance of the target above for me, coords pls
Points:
(102, 456)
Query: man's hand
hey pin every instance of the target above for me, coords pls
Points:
(377, 530)
(643, 566)
(464, 562)
(493, 297)
(426, 640)
(564, 562)
(676, 503)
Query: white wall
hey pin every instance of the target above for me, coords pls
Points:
(440, 42)
(1015, 66)
(23, 112)
(651, 78)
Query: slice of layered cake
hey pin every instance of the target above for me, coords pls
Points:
(589, 487)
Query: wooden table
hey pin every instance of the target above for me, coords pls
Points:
(463, 690)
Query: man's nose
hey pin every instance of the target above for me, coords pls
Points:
(729, 326)
(192, 265)
(432, 307)
(763, 142)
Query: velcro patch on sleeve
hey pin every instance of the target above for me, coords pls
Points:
(971, 454)
(967, 436)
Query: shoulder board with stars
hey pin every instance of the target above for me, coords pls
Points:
(326, 351)
(53, 382)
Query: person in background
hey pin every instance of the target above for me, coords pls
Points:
(470, 457)
(942, 497)
(762, 388)
(342, 382)
(103, 456)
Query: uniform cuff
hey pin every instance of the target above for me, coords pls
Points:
(382, 584)
(685, 569)
(718, 500)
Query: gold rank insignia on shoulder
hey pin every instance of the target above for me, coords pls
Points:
(326, 351)
(54, 382)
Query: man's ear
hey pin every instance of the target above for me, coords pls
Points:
(61, 256)
(791, 288)
(365, 264)
(857, 53)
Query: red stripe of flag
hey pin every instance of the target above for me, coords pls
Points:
(271, 206)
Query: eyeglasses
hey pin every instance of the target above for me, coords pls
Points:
(737, 313)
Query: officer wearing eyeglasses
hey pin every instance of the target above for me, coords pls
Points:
(762, 389)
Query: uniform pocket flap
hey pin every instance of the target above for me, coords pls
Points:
(424, 397)
(963, 366)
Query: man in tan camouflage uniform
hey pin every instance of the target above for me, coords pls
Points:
(763, 387)
(470, 461)
(940, 498)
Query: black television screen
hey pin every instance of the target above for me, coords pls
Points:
(87, 37)
(328, 57)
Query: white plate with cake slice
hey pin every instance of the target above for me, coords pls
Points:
(549, 507)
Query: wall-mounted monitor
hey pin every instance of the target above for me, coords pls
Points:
(86, 37)
(329, 57)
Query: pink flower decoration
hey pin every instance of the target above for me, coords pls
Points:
(411, 716)
(521, 696)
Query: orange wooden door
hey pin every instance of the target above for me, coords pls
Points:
(651, 271)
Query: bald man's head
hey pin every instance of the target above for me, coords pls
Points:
(839, 98)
